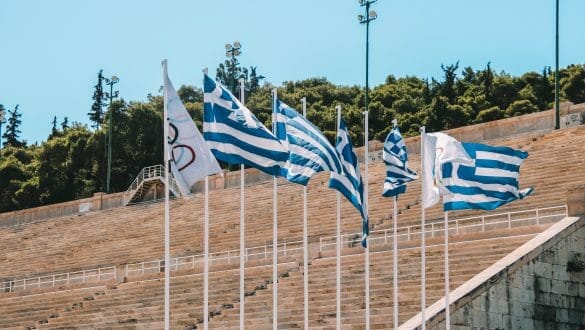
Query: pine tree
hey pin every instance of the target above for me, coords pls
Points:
(65, 124)
(54, 129)
(96, 115)
(12, 129)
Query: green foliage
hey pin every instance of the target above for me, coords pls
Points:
(12, 134)
(96, 114)
(72, 162)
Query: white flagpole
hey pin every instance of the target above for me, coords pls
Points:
(423, 234)
(242, 228)
(447, 314)
(305, 244)
(395, 254)
(395, 262)
(274, 232)
(167, 222)
(206, 257)
(367, 262)
(338, 246)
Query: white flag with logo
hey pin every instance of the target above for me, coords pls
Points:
(190, 157)
(439, 149)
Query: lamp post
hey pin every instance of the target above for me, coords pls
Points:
(369, 16)
(231, 51)
(111, 82)
(557, 111)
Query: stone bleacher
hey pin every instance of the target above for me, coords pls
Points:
(134, 234)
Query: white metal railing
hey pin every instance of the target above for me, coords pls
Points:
(50, 281)
(462, 225)
(223, 257)
(456, 226)
(149, 173)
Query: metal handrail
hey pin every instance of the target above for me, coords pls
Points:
(292, 248)
(151, 172)
(50, 281)
(437, 228)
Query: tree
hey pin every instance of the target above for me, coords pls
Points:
(65, 124)
(54, 129)
(520, 107)
(574, 83)
(96, 114)
(12, 129)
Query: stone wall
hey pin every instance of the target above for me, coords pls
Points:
(548, 292)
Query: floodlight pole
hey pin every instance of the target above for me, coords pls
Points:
(2, 114)
(369, 16)
(110, 82)
(557, 109)
(231, 51)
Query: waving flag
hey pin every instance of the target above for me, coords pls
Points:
(396, 160)
(191, 158)
(235, 136)
(439, 149)
(310, 151)
(349, 183)
(488, 184)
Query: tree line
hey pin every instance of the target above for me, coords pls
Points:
(71, 163)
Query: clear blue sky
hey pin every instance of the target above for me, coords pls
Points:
(51, 51)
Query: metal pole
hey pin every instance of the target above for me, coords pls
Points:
(338, 246)
(206, 256)
(447, 289)
(365, 206)
(242, 229)
(557, 101)
(305, 243)
(395, 263)
(422, 230)
(367, 52)
(110, 140)
(274, 231)
(167, 222)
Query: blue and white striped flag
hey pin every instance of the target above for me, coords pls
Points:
(310, 151)
(396, 160)
(487, 185)
(349, 183)
(235, 136)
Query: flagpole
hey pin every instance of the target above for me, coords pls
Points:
(338, 245)
(395, 254)
(206, 257)
(305, 244)
(242, 227)
(167, 222)
(274, 231)
(423, 234)
(395, 262)
(367, 263)
(447, 314)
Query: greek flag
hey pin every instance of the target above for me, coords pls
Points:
(349, 182)
(396, 160)
(310, 151)
(487, 185)
(235, 136)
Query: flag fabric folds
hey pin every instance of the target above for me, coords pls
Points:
(396, 160)
(191, 159)
(235, 135)
(439, 149)
(488, 184)
(349, 182)
(309, 150)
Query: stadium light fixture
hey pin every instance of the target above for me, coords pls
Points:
(111, 82)
(233, 50)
